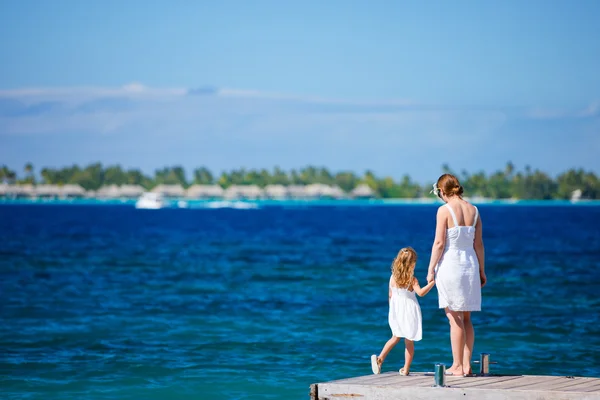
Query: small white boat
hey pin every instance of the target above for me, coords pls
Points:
(150, 201)
(576, 195)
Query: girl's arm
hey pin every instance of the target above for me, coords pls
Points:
(480, 251)
(422, 291)
(439, 242)
(390, 288)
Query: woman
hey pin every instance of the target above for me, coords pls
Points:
(457, 263)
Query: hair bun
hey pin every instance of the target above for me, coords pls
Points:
(450, 185)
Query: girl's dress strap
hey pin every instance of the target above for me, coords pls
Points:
(453, 215)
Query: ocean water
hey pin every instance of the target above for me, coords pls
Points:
(110, 302)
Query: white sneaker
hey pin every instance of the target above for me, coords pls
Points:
(375, 367)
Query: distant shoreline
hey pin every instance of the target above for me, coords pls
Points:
(193, 203)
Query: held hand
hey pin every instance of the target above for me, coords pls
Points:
(430, 277)
(483, 278)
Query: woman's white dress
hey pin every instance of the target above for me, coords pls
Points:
(405, 314)
(457, 273)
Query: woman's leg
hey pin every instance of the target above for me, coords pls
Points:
(469, 341)
(409, 353)
(457, 340)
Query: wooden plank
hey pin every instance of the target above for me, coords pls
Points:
(342, 391)
(519, 383)
(590, 386)
(477, 382)
(379, 379)
(416, 381)
(557, 384)
(384, 379)
(419, 386)
(365, 378)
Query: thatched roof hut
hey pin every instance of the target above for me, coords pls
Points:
(26, 190)
(204, 192)
(362, 191)
(108, 192)
(243, 192)
(337, 192)
(131, 191)
(72, 191)
(17, 190)
(319, 190)
(170, 190)
(296, 191)
(276, 192)
(47, 190)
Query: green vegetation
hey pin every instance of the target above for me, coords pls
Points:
(503, 184)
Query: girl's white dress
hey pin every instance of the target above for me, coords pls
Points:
(405, 313)
(457, 273)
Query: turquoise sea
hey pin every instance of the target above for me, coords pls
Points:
(104, 301)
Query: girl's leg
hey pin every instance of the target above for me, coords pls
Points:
(469, 341)
(387, 348)
(409, 353)
(457, 340)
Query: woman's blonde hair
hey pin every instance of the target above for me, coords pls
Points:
(403, 267)
(450, 185)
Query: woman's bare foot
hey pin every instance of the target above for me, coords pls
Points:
(455, 371)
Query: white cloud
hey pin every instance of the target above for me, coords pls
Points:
(591, 110)
(229, 128)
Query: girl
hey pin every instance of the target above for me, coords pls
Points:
(405, 314)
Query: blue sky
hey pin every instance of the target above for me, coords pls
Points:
(394, 86)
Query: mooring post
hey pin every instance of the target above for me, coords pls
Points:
(440, 375)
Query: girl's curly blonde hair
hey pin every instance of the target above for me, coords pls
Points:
(403, 267)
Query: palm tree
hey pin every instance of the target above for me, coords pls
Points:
(510, 168)
(30, 177)
(7, 175)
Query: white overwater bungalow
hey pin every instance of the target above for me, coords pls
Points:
(204, 192)
(118, 192)
(362, 191)
(297, 191)
(131, 191)
(72, 191)
(170, 191)
(276, 192)
(17, 191)
(41, 191)
(243, 192)
(47, 191)
(321, 191)
(108, 192)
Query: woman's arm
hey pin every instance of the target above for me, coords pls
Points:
(438, 243)
(422, 291)
(480, 251)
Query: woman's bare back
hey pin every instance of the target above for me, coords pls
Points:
(464, 211)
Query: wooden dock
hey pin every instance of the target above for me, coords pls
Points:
(419, 386)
